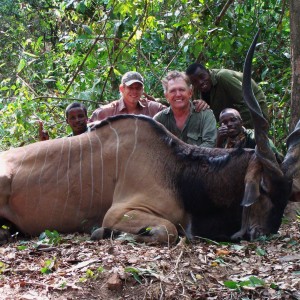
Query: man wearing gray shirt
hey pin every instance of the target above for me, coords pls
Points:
(181, 118)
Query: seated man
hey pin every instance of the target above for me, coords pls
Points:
(76, 117)
(181, 118)
(232, 133)
(131, 89)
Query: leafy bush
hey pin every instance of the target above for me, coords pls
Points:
(53, 52)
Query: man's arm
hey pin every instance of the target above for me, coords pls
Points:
(221, 136)
(234, 92)
(103, 112)
(209, 129)
(158, 117)
(149, 97)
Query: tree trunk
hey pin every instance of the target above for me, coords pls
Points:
(293, 207)
(295, 61)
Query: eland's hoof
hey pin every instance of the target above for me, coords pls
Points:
(238, 235)
(98, 234)
(4, 236)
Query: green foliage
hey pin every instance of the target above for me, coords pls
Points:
(49, 266)
(53, 52)
(219, 261)
(50, 237)
(135, 272)
(253, 282)
(21, 247)
(3, 267)
(261, 252)
(90, 274)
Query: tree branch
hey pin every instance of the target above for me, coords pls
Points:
(27, 84)
(85, 58)
(65, 98)
(223, 11)
(135, 30)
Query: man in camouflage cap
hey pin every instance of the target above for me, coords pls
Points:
(131, 89)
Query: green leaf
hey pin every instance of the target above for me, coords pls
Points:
(232, 285)
(134, 272)
(296, 272)
(261, 252)
(50, 237)
(274, 286)
(237, 247)
(21, 65)
(48, 266)
(87, 29)
(89, 273)
(30, 54)
(252, 282)
(21, 247)
(45, 270)
(255, 281)
(3, 267)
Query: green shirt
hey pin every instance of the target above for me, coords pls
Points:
(200, 128)
(88, 129)
(226, 92)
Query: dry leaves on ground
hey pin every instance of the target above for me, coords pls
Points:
(73, 267)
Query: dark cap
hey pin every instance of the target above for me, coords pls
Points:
(131, 77)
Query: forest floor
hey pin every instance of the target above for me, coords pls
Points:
(73, 267)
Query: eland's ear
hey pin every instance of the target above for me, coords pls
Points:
(294, 138)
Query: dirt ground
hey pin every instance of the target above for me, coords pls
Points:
(73, 267)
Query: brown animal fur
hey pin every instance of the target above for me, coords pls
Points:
(130, 174)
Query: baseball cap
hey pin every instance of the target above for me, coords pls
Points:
(131, 77)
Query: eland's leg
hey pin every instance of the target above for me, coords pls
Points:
(143, 226)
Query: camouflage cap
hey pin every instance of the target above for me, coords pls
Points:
(131, 77)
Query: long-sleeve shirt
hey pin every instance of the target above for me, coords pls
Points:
(118, 107)
(226, 92)
(200, 127)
